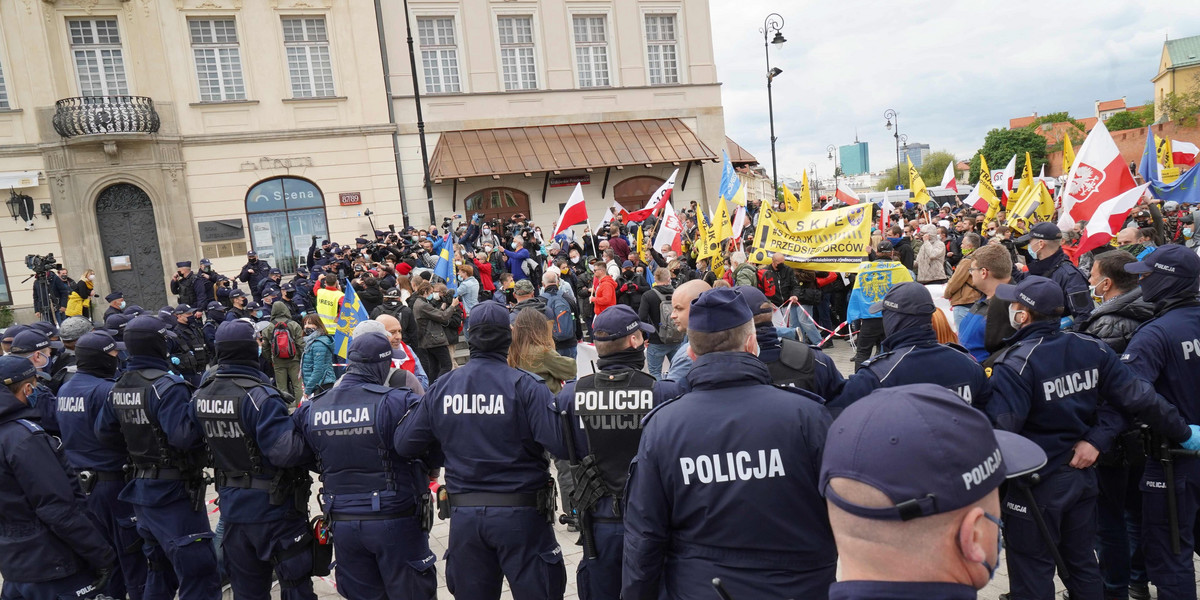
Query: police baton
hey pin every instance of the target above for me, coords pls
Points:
(580, 519)
(720, 587)
(1159, 447)
(1026, 484)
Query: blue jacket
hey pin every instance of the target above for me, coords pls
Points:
(493, 424)
(265, 419)
(514, 263)
(316, 367)
(1057, 388)
(79, 403)
(972, 330)
(1165, 352)
(172, 407)
(46, 532)
(914, 356)
(728, 474)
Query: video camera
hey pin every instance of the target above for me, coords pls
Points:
(41, 264)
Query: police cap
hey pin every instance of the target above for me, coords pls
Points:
(1172, 260)
(13, 330)
(114, 296)
(184, 263)
(910, 298)
(46, 327)
(15, 369)
(96, 341)
(237, 294)
(1041, 231)
(237, 330)
(755, 299)
(1042, 295)
(718, 310)
(29, 341)
(370, 347)
(618, 321)
(925, 449)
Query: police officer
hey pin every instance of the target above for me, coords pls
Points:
(100, 467)
(605, 409)
(35, 346)
(893, 473)
(238, 306)
(1060, 390)
(193, 352)
(912, 354)
(255, 449)
(376, 502)
(1165, 352)
(1049, 260)
(725, 479)
(185, 285)
(116, 304)
(49, 548)
(147, 413)
(494, 424)
(254, 272)
(214, 315)
(791, 362)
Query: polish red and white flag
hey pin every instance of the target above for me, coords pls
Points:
(1107, 219)
(670, 230)
(948, 180)
(574, 213)
(1183, 153)
(845, 194)
(1098, 176)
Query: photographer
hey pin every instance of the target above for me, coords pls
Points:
(516, 257)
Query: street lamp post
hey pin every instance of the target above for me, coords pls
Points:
(773, 23)
(814, 188)
(890, 115)
(833, 157)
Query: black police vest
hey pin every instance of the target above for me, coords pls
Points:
(195, 338)
(610, 406)
(145, 439)
(187, 290)
(218, 406)
(351, 453)
(796, 366)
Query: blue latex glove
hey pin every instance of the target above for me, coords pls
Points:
(175, 361)
(1193, 443)
(1066, 322)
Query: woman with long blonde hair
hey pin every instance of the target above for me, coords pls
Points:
(532, 349)
(79, 303)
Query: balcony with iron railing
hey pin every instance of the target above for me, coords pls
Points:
(99, 115)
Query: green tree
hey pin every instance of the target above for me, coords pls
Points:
(1131, 119)
(1001, 144)
(1182, 107)
(1058, 117)
(931, 170)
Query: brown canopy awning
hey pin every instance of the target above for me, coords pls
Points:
(540, 149)
(737, 154)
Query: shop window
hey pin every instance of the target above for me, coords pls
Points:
(633, 193)
(497, 203)
(284, 213)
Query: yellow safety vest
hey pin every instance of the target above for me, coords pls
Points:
(327, 306)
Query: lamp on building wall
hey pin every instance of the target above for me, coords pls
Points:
(20, 206)
(773, 23)
(46, 211)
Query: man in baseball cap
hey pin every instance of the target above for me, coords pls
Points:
(1047, 259)
(916, 467)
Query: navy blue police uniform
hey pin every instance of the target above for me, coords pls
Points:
(1166, 352)
(148, 413)
(49, 548)
(792, 363)
(606, 409)
(101, 466)
(1059, 268)
(493, 424)
(936, 442)
(377, 503)
(112, 310)
(262, 271)
(724, 483)
(911, 353)
(1060, 388)
(256, 455)
(43, 399)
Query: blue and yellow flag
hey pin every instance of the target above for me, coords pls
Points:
(873, 282)
(351, 314)
(731, 185)
(445, 263)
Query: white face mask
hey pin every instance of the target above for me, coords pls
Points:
(1095, 294)
(1012, 316)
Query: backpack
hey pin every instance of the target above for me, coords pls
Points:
(559, 313)
(667, 331)
(768, 282)
(282, 345)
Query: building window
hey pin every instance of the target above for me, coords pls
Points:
(284, 213)
(218, 61)
(633, 193)
(591, 51)
(6, 298)
(516, 53)
(3, 90)
(439, 54)
(499, 203)
(309, 66)
(99, 64)
(661, 49)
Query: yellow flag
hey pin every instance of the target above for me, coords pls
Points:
(1165, 158)
(721, 220)
(1027, 174)
(920, 194)
(805, 194)
(1068, 154)
(789, 199)
(641, 244)
(707, 243)
(987, 192)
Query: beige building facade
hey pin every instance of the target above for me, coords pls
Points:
(523, 99)
(158, 131)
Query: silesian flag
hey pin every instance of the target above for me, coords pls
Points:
(1099, 175)
(574, 213)
(1108, 218)
(1068, 154)
(806, 202)
(920, 194)
(948, 180)
(349, 316)
(670, 230)
(845, 194)
(983, 197)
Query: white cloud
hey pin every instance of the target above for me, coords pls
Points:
(952, 69)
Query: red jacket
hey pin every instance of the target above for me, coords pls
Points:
(606, 293)
(484, 272)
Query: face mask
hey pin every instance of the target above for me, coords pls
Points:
(1012, 316)
(121, 305)
(91, 277)
(1096, 295)
(564, 270)
(310, 330)
(575, 259)
(432, 297)
(487, 231)
(1032, 253)
(1187, 232)
(513, 245)
(991, 569)
(967, 251)
(487, 249)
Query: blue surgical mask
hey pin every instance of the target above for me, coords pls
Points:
(514, 245)
(122, 305)
(991, 569)
(1032, 254)
(1187, 232)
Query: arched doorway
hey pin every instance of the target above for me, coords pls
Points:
(633, 193)
(497, 203)
(129, 237)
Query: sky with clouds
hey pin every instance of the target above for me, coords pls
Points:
(951, 69)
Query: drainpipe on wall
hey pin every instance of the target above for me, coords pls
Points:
(387, 86)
